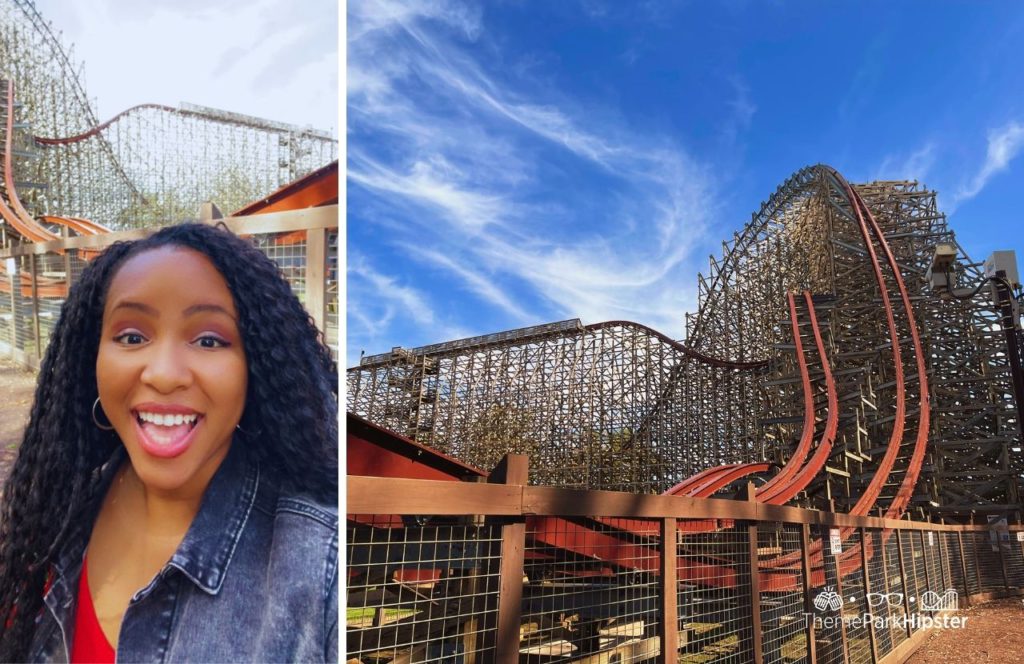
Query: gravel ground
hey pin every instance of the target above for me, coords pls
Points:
(992, 634)
(17, 387)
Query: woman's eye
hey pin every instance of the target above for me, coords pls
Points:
(211, 342)
(130, 338)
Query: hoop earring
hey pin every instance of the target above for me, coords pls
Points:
(96, 421)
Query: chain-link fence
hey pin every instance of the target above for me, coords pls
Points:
(470, 572)
(35, 278)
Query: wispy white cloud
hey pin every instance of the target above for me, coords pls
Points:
(1004, 144)
(476, 282)
(466, 161)
(742, 110)
(433, 182)
(914, 166)
(411, 301)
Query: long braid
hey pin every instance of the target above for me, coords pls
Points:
(59, 451)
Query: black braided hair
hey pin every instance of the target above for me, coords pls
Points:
(289, 424)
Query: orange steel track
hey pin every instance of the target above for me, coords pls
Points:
(315, 189)
(18, 218)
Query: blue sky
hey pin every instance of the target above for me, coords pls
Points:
(514, 163)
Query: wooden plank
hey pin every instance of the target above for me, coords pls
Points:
(574, 502)
(872, 638)
(325, 216)
(668, 627)
(513, 472)
(805, 545)
(388, 495)
(316, 269)
(755, 583)
(406, 496)
(963, 570)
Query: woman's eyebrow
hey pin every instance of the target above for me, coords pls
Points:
(139, 306)
(211, 308)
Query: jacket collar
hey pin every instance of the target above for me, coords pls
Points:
(209, 545)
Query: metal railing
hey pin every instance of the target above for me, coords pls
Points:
(35, 278)
(501, 571)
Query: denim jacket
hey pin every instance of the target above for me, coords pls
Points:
(254, 580)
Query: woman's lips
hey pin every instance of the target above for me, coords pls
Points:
(166, 441)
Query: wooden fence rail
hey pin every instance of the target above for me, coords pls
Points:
(598, 577)
(35, 278)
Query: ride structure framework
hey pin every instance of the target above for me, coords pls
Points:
(148, 165)
(820, 365)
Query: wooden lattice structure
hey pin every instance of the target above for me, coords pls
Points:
(921, 384)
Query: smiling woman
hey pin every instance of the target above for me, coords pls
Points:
(175, 496)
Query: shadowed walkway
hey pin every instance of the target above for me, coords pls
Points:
(992, 634)
(16, 390)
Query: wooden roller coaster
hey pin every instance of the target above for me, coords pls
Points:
(819, 367)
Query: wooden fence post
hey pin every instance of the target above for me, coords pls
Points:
(872, 639)
(903, 579)
(316, 277)
(974, 550)
(805, 546)
(924, 557)
(668, 628)
(64, 233)
(1002, 556)
(13, 275)
(755, 584)
(963, 568)
(34, 268)
(513, 469)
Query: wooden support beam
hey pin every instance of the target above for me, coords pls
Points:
(668, 627)
(963, 569)
(867, 588)
(903, 580)
(755, 584)
(805, 545)
(513, 470)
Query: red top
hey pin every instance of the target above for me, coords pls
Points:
(90, 643)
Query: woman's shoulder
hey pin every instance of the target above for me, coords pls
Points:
(300, 508)
(300, 533)
(309, 508)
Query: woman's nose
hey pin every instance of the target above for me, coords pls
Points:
(167, 368)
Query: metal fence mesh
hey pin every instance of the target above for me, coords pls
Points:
(879, 596)
(714, 596)
(420, 589)
(331, 300)
(288, 250)
(591, 587)
(426, 589)
(783, 621)
(830, 634)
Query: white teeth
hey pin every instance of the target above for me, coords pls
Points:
(167, 420)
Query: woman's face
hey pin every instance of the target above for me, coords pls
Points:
(171, 370)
